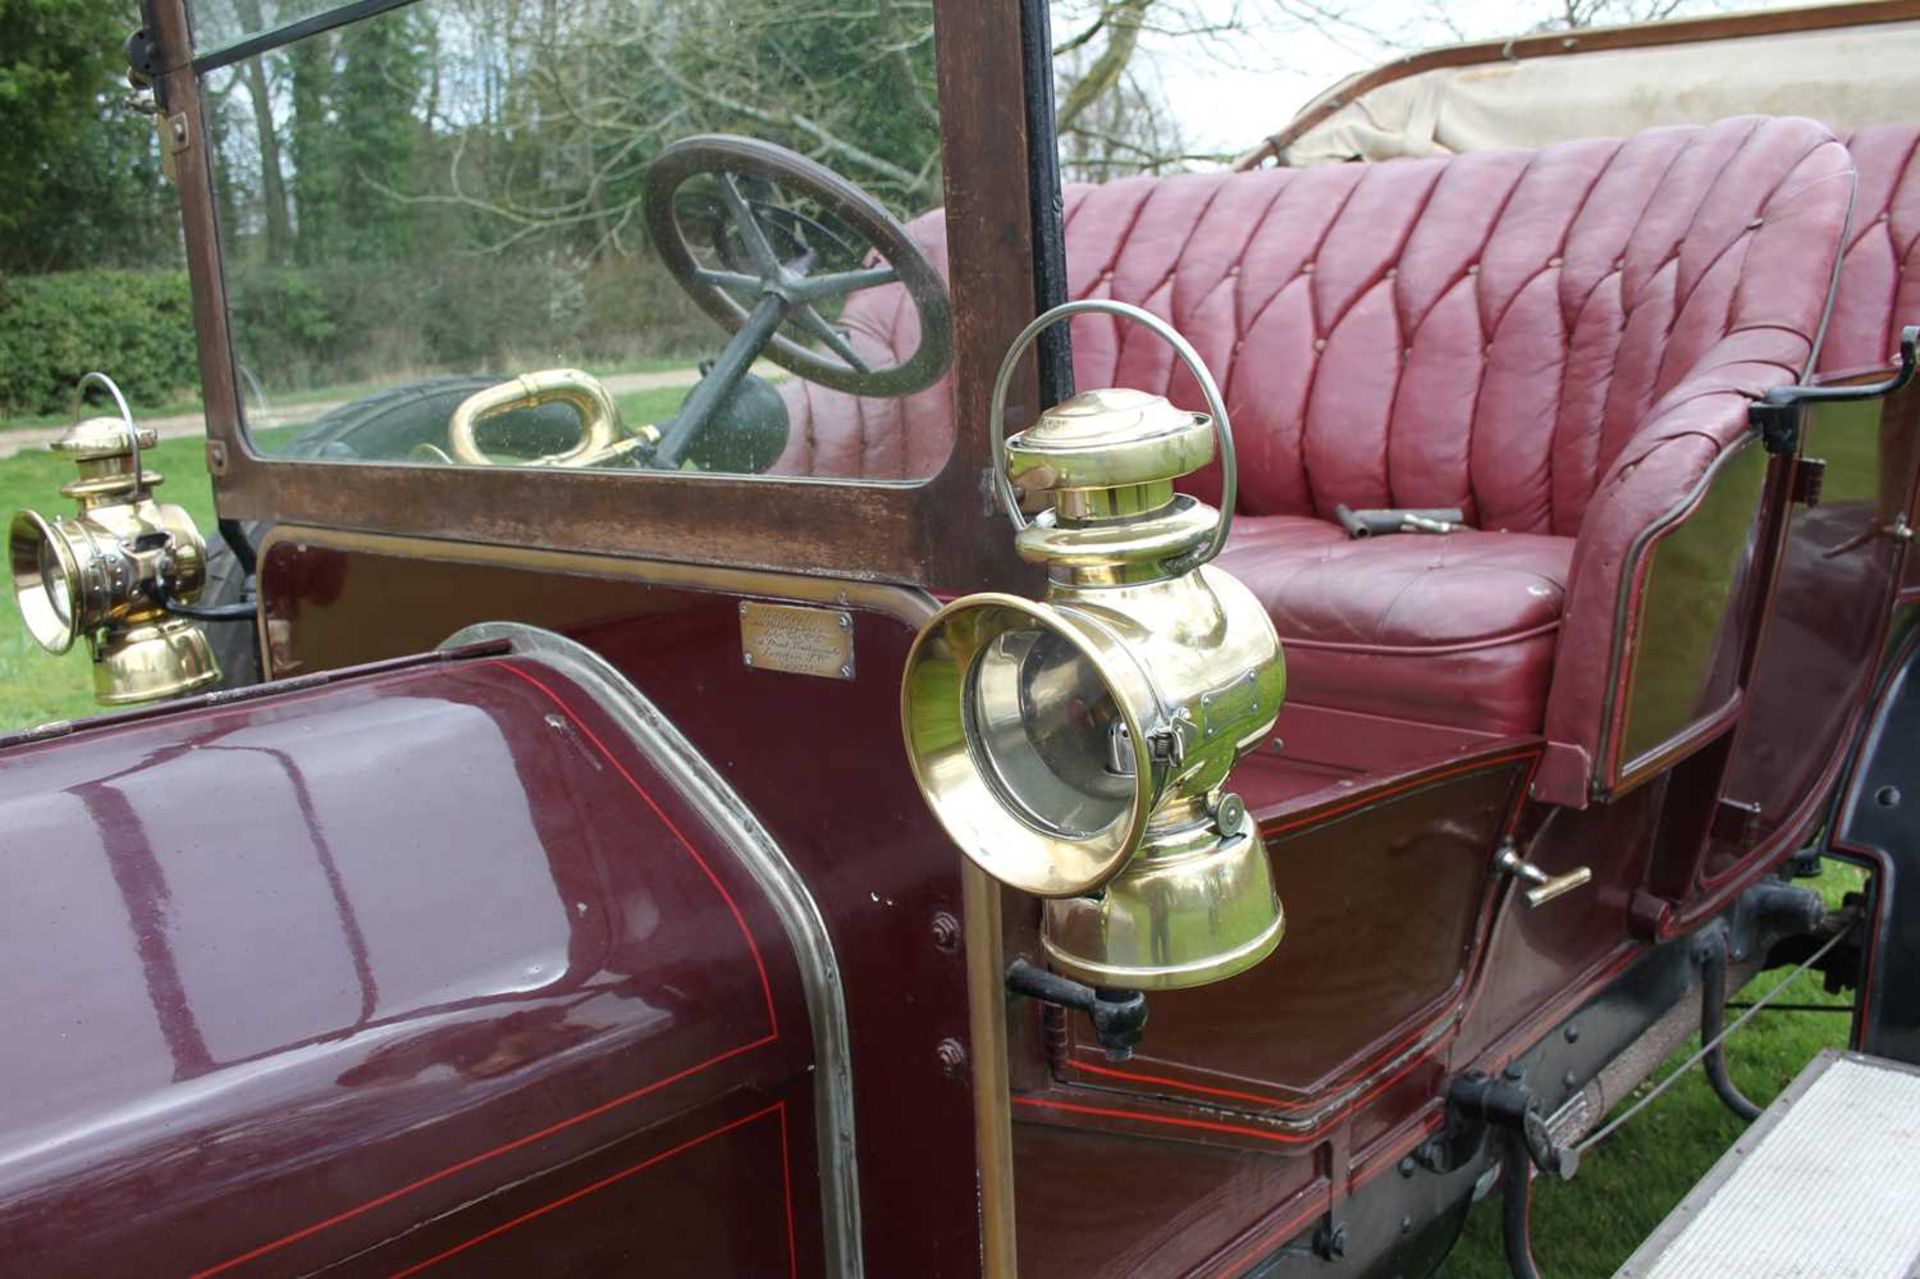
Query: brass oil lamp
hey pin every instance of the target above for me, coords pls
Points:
(109, 571)
(1077, 748)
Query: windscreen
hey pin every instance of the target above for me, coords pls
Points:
(682, 235)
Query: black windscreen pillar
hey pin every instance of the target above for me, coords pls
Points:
(1054, 349)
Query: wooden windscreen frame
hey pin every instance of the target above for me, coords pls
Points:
(938, 533)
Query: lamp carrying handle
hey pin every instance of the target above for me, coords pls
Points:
(112, 388)
(1216, 406)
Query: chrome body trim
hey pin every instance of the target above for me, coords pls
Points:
(718, 804)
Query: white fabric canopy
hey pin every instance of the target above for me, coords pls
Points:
(1844, 77)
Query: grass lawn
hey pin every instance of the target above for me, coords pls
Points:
(1582, 1230)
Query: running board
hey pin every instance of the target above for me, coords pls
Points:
(1826, 1182)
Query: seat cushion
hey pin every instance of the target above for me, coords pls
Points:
(1457, 629)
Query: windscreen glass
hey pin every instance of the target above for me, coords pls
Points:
(682, 235)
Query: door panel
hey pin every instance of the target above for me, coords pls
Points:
(1837, 572)
(1383, 908)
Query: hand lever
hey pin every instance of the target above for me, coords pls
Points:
(1545, 887)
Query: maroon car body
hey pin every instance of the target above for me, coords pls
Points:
(518, 925)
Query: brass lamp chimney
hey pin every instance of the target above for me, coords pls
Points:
(107, 572)
(1077, 748)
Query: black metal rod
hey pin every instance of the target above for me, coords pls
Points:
(240, 612)
(275, 37)
(1516, 1204)
(1054, 350)
(1743, 1005)
(234, 534)
(711, 391)
(1713, 1024)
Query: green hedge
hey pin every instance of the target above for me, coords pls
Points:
(348, 322)
(300, 327)
(134, 325)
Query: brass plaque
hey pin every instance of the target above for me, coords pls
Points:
(796, 639)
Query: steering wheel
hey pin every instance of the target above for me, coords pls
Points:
(766, 240)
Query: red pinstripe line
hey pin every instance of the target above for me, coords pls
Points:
(1427, 1054)
(513, 1223)
(766, 987)
(1087, 1067)
(1287, 1139)
(480, 1158)
(786, 1184)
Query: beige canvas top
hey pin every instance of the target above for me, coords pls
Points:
(1845, 76)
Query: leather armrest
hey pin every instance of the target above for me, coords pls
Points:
(1659, 485)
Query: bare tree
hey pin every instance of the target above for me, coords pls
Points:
(1113, 116)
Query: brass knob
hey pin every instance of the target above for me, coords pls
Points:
(1545, 887)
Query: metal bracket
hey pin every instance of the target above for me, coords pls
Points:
(1776, 418)
(1119, 1016)
(143, 58)
(1510, 1106)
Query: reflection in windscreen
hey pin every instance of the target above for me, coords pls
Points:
(659, 234)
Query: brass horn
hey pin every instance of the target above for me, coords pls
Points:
(601, 433)
(1077, 748)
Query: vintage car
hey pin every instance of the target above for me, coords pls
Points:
(892, 814)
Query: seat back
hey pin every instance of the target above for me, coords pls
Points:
(1483, 331)
(1880, 270)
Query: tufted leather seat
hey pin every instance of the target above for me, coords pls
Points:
(1559, 342)
(1879, 283)
(1449, 630)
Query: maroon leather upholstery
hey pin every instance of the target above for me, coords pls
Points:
(1879, 289)
(1450, 630)
(850, 437)
(1559, 342)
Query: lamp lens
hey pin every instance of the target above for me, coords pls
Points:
(53, 580)
(42, 581)
(1044, 727)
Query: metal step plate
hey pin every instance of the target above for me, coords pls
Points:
(1826, 1183)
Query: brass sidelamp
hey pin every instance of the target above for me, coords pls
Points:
(108, 572)
(1077, 747)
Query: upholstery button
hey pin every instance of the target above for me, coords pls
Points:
(1553, 261)
(1406, 353)
(1319, 344)
(1392, 271)
(1884, 217)
(1233, 269)
(1473, 269)
(1306, 268)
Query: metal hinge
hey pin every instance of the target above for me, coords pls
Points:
(1809, 477)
